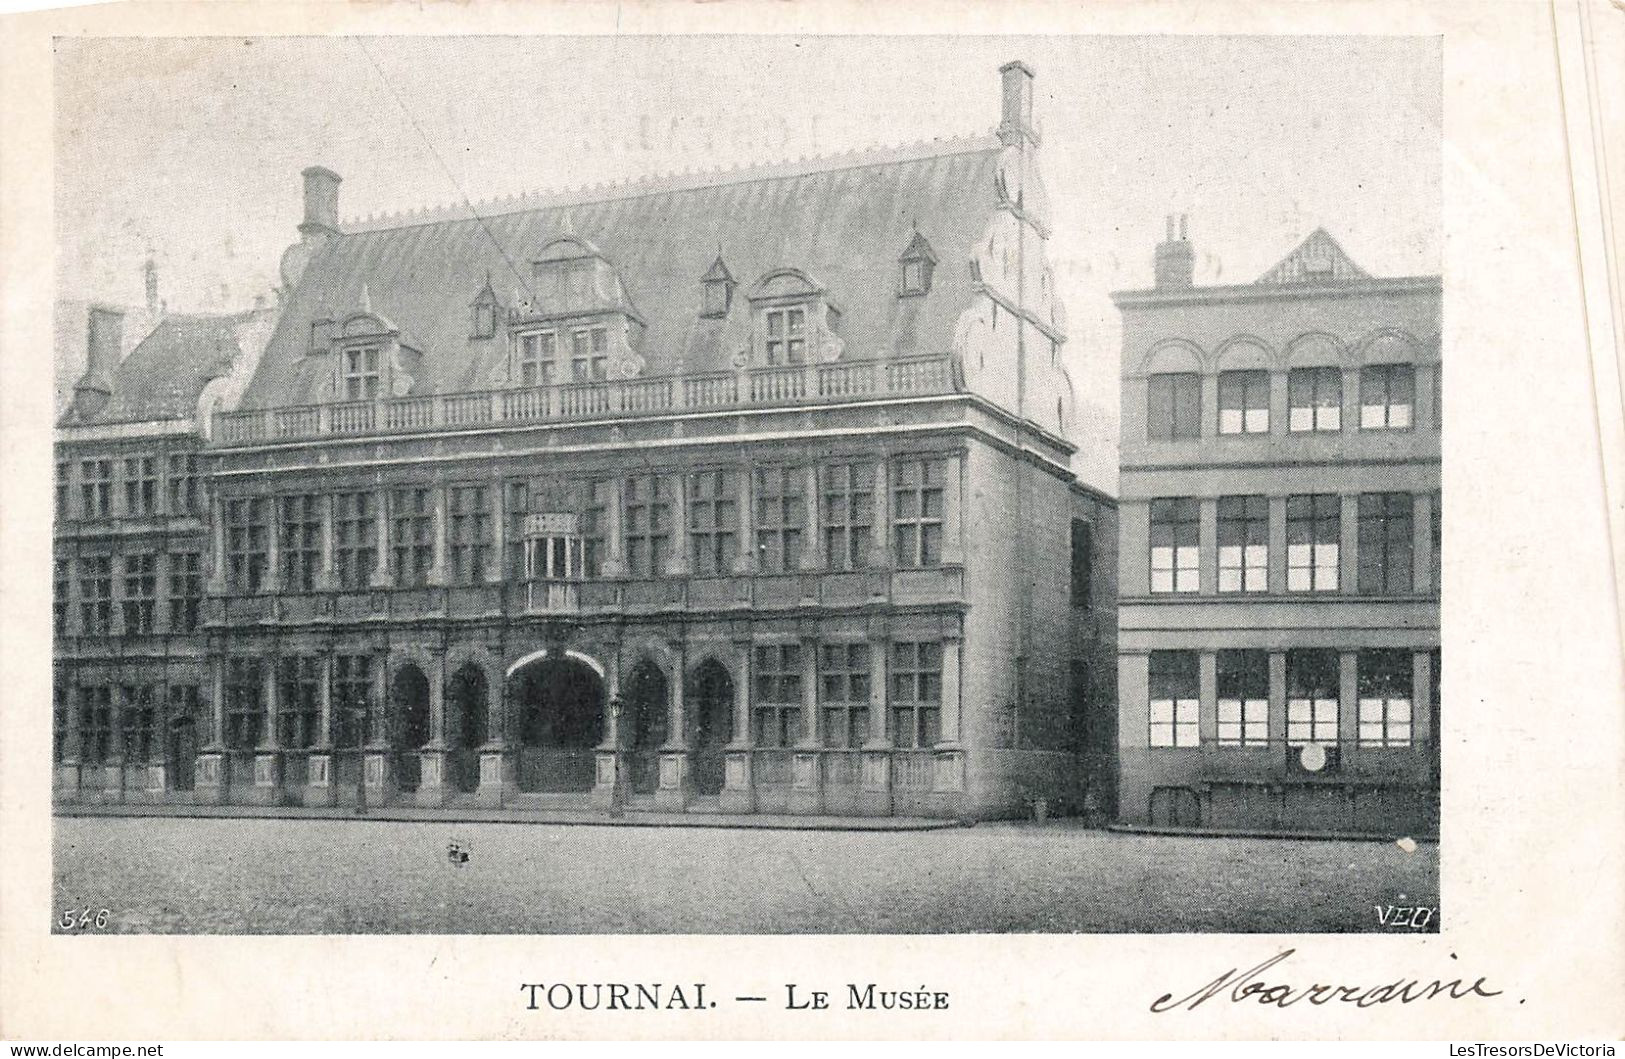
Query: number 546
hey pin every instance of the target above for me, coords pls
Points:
(77, 919)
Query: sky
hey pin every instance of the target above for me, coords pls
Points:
(189, 149)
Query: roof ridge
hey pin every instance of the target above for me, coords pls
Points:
(688, 179)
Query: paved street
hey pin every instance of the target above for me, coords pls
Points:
(342, 876)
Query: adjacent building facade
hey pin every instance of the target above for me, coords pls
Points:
(749, 492)
(1279, 556)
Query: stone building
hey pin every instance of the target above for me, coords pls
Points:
(744, 491)
(1279, 555)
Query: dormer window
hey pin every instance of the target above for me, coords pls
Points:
(717, 290)
(360, 373)
(918, 262)
(589, 354)
(537, 351)
(485, 311)
(786, 335)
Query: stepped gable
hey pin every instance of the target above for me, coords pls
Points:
(844, 221)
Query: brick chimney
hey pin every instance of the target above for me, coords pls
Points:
(321, 202)
(103, 344)
(1016, 120)
(1176, 261)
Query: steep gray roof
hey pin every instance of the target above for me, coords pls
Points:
(845, 225)
(164, 375)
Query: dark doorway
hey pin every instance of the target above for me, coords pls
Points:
(182, 753)
(645, 721)
(409, 697)
(710, 703)
(560, 707)
(467, 703)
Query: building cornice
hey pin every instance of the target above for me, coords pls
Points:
(1250, 292)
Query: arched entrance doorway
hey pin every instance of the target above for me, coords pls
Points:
(644, 721)
(467, 707)
(710, 706)
(409, 723)
(559, 703)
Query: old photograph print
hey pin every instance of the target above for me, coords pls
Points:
(725, 485)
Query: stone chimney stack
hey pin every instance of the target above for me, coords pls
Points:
(104, 343)
(321, 202)
(1016, 121)
(149, 272)
(1176, 260)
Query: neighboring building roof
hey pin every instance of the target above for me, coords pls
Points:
(165, 374)
(844, 225)
(1318, 259)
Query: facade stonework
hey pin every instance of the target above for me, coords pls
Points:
(743, 496)
(1279, 554)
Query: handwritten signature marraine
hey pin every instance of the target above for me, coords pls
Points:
(1250, 985)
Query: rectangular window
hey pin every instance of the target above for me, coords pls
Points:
(1438, 544)
(778, 695)
(1315, 399)
(1387, 396)
(355, 538)
(537, 356)
(1313, 688)
(786, 335)
(1244, 698)
(140, 592)
(1175, 552)
(352, 699)
(589, 355)
(917, 487)
(245, 543)
(138, 719)
(594, 519)
(848, 514)
(245, 703)
(1244, 402)
(916, 694)
(297, 704)
(470, 534)
(184, 705)
(299, 540)
(96, 595)
(781, 518)
(1314, 530)
(95, 723)
(60, 709)
(1174, 406)
(1244, 543)
(1175, 708)
(648, 525)
(1083, 558)
(411, 512)
(843, 675)
(140, 485)
(63, 472)
(96, 488)
(713, 521)
(183, 494)
(61, 586)
(1385, 543)
(362, 379)
(1385, 697)
(185, 591)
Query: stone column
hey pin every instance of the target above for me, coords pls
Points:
(806, 794)
(612, 494)
(210, 783)
(1277, 542)
(319, 785)
(377, 761)
(1207, 540)
(67, 773)
(1348, 560)
(1210, 404)
(268, 756)
(874, 799)
(671, 795)
(747, 561)
(432, 786)
(217, 527)
(381, 577)
(1277, 714)
(496, 571)
(1351, 399)
(326, 570)
(1348, 705)
(953, 545)
(738, 793)
(1207, 716)
(438, 574)
(272, 582)
(677, 562)
(1422, 558)
(948, 776)
(812, 534)
(880, 538)
(609, 776)
(1279, 403)
(1422, 678)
